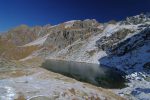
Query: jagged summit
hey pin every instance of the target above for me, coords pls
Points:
(138, 19)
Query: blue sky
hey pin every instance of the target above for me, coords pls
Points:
(41, 12)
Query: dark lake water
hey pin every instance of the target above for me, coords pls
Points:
(91, 73)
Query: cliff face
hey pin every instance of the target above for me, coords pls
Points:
(67, 33)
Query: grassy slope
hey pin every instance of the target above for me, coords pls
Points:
(11, 51)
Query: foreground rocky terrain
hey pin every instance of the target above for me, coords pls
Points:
(27, 81)
(124, 45)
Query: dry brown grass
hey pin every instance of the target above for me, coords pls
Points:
(20, 97)
(72, 90)
(5, 45)
(11, 51)
(21, 52)
(91, 53)
(14, 73)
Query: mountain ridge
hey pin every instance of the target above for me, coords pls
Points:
(59, 37)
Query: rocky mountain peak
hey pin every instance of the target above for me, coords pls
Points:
(47, 26)
(81, 23)
(138, 19)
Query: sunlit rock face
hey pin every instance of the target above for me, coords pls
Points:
(76, 30)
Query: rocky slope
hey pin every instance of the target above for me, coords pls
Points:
(27, 81)
(124, 45)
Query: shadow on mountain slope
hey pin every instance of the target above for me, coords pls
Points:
(130, 55)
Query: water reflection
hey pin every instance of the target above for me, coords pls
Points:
(92, 73)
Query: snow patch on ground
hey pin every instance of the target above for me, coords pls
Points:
(112, 28)
(138, 88)
(69, 24)
(33, 55)
(38, 41)
(50, 85)
(6, 93)
(132, 61)
(27, 58)
(100, 27)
